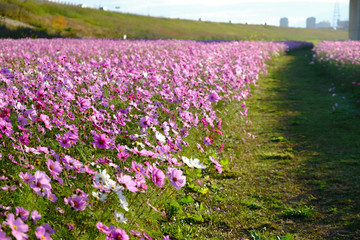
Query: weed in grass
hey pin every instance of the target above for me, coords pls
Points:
(299, 212)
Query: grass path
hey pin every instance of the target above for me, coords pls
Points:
(300, 176)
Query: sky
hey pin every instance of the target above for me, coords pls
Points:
(236, 11)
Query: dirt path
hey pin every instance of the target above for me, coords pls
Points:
(14, 23)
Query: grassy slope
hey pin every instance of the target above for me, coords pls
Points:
(96, 23)
(299, 176)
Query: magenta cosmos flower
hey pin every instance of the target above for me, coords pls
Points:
(117, 234)
(158, 177)
(207, 141)
(145, 122)
(176, 178)
(102, 228)
(213, 97)
(18, 227)
(101, 141)
(84, 103)
(77, 202)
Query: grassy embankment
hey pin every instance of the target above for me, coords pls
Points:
(55, 20)
(299, 178)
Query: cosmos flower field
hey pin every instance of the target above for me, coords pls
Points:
(97, 135)
(343, 56)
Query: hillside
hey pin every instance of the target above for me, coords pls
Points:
(56, 20)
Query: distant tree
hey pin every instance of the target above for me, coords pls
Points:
(59, 22)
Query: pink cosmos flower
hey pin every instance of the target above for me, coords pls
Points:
(24, 214)
(54, 167)
(77, 202)
(130, 184)
(42, 234)
(158, 177)
(64, 141)
(23, 139)
(46, 120)
(52, 197)
(137, 167)
(35, 216)
(3, 236)
(135, 233)
(27, 177)
(43, 149)
(102, 141)
(218, 166)
(84, 103)
(122, 156)
(207, 141)
(176, 178)
(117, 234)
(140, 181)
(70, 226)
(221, 148)
(89, 171)
(147, 236)
(49, 229)
(18, 227)
(213, 97)
(71, 116)
(42, 183)
(102, 228)
(145, 122)
(154, 208)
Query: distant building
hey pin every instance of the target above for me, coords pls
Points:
(284, 22)
(324, 25)
(311, 22)
(342, 25)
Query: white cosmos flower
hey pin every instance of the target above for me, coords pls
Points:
(196, 163)
(160, 137)
(119, 217)
(103, 197)
(186, 160)
(110, 184)
(99, 196)
(96, 195)
(162, 157)
(123, 202)
(102, 177)
(193, 163)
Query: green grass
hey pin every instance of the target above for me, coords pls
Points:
(78, 22)
(299, 178)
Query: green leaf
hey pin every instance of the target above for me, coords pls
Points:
(201, 207)
(224, 162)
(191, 186)
(187, 199)
(254, 235)
(204, 191)
(197, 218)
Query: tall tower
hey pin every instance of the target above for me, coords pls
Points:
(336, 15)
